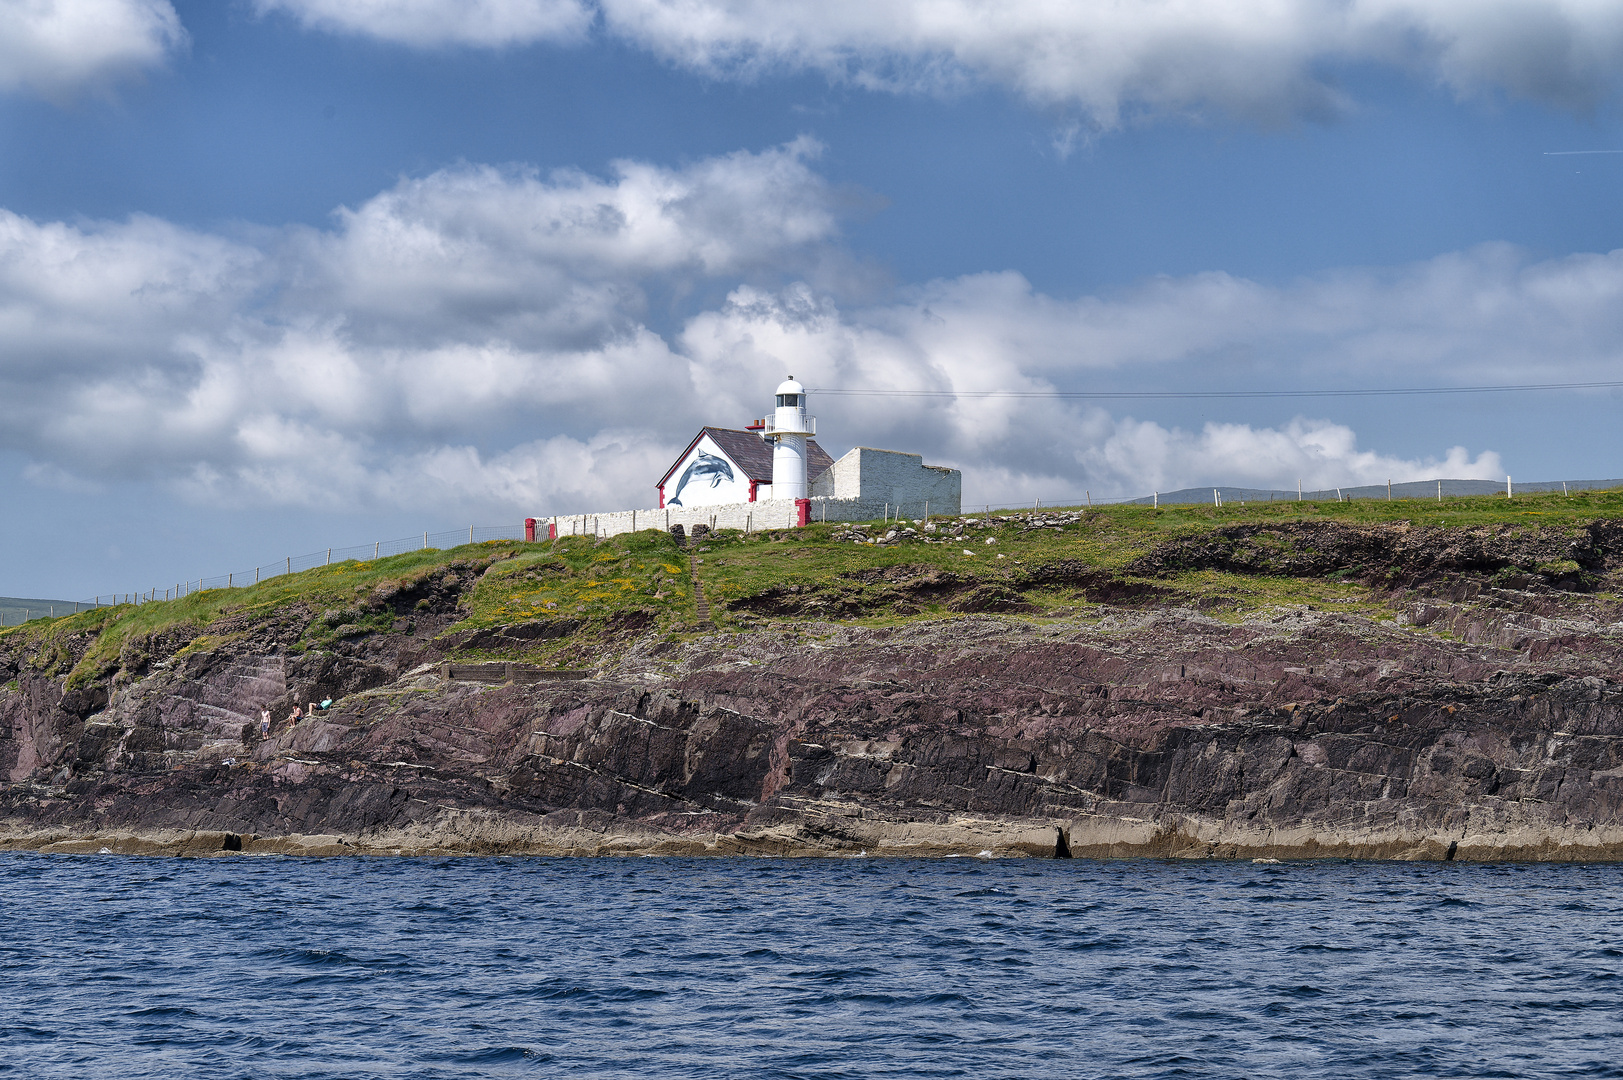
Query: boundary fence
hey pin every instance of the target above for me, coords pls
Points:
(293, 564)
(1223, 495)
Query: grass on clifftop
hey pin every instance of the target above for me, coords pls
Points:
(630, 583)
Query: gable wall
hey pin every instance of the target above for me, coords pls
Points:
(711, 478)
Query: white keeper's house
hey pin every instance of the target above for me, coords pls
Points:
(771, 475)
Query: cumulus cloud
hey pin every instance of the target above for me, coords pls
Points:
(427, 23)
(531, 259)
(479, 338)
(58, 48)
(1316, 453)
(1257, 58)
(611, 468)
(1263, 59)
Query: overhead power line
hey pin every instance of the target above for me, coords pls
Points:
(1401, 391)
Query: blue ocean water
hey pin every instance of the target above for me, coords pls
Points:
(277, 967)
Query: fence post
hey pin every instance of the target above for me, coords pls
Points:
(1389, 491)
(425, 540)
(1508, 494)
(329, 556)
(290, 564)
(1439, 491)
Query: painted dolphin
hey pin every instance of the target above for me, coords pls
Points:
(709, 465)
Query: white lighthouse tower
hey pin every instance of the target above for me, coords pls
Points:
(789, 430)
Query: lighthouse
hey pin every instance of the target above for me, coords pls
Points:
(789, 430)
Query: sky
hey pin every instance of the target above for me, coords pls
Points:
(278, 275)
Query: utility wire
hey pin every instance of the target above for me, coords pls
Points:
(1406, 391)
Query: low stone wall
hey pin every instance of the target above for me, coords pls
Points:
(763, 514)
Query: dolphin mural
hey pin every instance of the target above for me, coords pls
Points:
(705, 465)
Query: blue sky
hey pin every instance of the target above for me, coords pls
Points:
(279, 274)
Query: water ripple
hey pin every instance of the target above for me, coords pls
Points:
(132, 968)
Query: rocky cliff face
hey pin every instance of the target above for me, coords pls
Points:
(1463, 706)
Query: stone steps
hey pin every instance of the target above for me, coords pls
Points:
(701, 606)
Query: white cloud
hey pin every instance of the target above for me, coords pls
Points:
(428, 23)
(554, 260)
(1257, 58)
(58, 48)
(478, 338)
(1104, 59)
(1317, 453)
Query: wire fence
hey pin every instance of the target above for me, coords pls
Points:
(288, 564)
(1224, 495)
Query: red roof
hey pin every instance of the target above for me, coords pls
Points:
(752, 454)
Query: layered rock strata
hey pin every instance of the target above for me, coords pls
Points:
(1460, 717)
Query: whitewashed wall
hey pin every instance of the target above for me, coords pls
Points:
(882, 477)
(769, 514)
(762, 514)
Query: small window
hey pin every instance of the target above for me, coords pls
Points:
(788, 401)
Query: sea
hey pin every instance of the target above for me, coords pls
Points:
(123, 967)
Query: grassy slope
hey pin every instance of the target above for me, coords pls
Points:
(601, 584)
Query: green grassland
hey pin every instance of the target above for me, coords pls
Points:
(622, 587)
